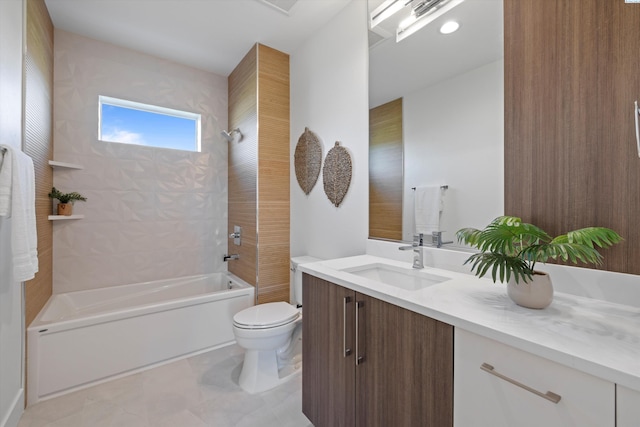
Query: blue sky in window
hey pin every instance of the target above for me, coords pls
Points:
(130, 126)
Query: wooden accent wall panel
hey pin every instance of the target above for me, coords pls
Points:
(385, 171)
(259, 171)
(273, 175)
(243, 166)
(38, 144)
(570, 152)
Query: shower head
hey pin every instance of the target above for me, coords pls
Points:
(229, 136)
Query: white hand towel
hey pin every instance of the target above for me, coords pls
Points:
(428, 206)
(20, 196)
(5, 182)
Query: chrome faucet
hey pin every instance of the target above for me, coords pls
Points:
(436, 239)
(416, 246)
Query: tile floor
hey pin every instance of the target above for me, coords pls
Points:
(195, 392)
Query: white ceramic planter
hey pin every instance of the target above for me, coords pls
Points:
(536, 293)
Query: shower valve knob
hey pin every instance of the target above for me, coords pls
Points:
(237, 232)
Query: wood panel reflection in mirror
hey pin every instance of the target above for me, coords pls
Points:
(385, 171)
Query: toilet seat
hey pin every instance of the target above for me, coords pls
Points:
(264, 316)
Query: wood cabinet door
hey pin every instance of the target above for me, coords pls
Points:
(405, 377)
(328, 375)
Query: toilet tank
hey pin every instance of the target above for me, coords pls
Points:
(296, 276)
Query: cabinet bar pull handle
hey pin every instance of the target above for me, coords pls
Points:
(550, 396)
(346, 351)
(359, 359)
(636, 113)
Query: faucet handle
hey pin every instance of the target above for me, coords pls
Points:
(436, 239)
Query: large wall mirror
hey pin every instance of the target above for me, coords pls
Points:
(440, 98)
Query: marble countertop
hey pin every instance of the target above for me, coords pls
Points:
(597, 337)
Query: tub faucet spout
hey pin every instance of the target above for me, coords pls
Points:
(232, 256)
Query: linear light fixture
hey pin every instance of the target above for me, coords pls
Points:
(385, 10)
(424, 12)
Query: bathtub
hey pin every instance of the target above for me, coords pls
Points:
(82, 338)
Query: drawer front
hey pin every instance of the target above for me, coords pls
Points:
(628, 407)
(503, 394)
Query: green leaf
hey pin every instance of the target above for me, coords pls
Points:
(510, 248)
(66, 197)
(501, 266)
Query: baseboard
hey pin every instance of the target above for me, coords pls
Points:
(12, 417)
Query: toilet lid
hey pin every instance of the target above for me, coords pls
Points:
(266, 315)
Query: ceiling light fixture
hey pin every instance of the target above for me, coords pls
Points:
(385, 10)
(449, 27)
(424, 12)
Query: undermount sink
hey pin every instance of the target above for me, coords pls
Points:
(403, 278)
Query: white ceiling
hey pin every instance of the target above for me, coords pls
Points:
(212, 35)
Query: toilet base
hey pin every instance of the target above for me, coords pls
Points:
(260, 371)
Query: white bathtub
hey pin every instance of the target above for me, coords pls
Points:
(82, 338)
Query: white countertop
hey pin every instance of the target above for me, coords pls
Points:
(597, 337)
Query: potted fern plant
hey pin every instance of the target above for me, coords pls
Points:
(510, 249)
(66, 200)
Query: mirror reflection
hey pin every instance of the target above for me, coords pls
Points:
(436, 120)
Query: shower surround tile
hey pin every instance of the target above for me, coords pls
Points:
(151, 213)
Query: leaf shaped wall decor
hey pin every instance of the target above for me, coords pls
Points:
(308, 160)
(336, 174)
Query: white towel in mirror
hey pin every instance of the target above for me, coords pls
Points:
(428, 207)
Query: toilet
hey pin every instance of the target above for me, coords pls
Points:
(270, 334)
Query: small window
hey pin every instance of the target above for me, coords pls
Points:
(129, 122)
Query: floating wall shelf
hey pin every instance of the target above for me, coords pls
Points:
(62, 165)
(63, 217)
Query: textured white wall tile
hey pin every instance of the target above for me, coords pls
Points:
(137, 205)
(151, 213)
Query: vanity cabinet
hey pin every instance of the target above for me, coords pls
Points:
(371, 363)
(495, 385)
(627, 407)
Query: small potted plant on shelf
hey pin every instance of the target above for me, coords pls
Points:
(66, 200)
(510, 248)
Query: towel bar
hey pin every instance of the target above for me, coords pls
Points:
(444, 187)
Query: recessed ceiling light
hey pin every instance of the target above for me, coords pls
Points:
(449, 27)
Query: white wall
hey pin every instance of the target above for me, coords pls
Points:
(454, 135)
(11, 299)
(329, 93)
(151, 213)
